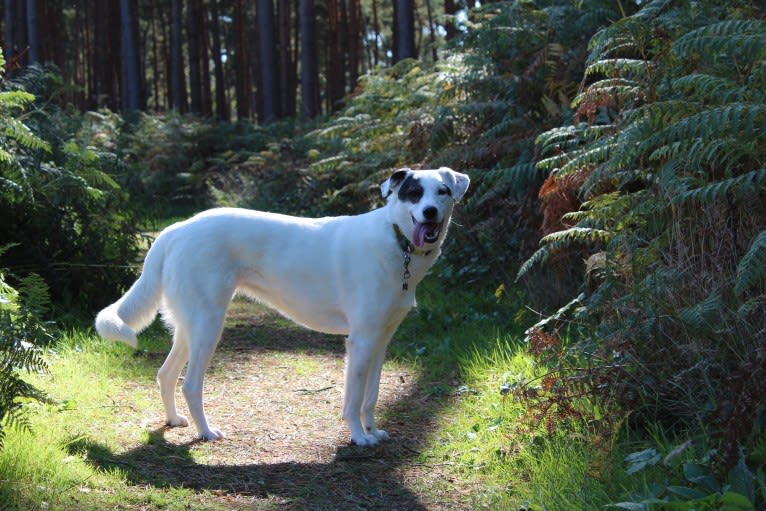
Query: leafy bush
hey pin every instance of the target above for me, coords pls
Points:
(22, 335)
(668, 156)
(65, 216)
(694, 484)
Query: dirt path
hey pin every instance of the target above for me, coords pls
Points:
(276, 392)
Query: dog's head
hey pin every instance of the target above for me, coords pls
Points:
(422, 201)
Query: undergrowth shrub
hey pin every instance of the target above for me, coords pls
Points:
(22, 337)
(668, 154)
(64, 215)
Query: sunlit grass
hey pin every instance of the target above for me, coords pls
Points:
(100, 392)
(89, 386)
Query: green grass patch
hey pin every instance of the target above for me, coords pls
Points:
(470, 349)
(89, 386)
(85, 451)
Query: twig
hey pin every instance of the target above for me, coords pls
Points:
(310, 392)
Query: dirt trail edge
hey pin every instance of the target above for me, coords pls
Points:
(276, 391)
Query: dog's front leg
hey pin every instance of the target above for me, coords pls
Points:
(371, 393)
(360, 362)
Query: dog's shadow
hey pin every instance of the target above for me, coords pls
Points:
(356, 478)
(350, 478)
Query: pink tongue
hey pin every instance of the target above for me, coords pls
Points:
(419, 235)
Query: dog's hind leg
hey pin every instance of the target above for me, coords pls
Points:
(371, 393)
(203, 338)
(167, 377)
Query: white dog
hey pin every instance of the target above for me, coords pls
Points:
(350, 275)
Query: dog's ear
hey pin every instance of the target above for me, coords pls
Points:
(388, 186)
(457, 182)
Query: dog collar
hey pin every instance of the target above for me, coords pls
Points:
(406, 245)
(408, 249)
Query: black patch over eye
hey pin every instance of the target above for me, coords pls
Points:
(415, 194)
(411, 190)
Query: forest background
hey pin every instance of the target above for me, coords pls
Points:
(617, 211)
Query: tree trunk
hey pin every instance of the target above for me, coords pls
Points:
(192, 43)
(450, 9)
(431, 30)
(155, 59)
(286, 80)
(178, 83)
(8, 49)
(376, 33)
(309, 65)
(243, 86)
(15, 36)
(268, 61)
(334, 63)
(221, 111)
(405, 30)
(33, 33)
(207, 98)
(131, 77)
(354, 42)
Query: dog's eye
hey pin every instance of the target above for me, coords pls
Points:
(445, 191)
(414, 195)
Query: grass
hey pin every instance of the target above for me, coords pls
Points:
(89, 389)
(458, 443)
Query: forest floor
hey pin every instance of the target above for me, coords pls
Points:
(276, 390)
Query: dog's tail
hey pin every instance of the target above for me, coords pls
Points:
(122, 320)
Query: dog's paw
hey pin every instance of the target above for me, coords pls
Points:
(379, 434)
(211, 434)
(365, 440)
(179, 421)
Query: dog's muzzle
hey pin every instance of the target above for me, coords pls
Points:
(425, 232)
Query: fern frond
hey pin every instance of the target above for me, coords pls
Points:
(741, 120)
(575, 235)
(506, 125)
(564, 139)
(618, 68)
(702, 318)
(743, 38)
(724, 154)
(620, 90)
(652, 9)
(722, 189)
(538, 258)
(15, 99)
(35, 293)
(5, 156)
(710, 89)
(593, 155)
(501, 181)
(18, 131)
(752, 267)
(328, 164)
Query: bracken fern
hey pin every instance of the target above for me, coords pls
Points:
(670, 130)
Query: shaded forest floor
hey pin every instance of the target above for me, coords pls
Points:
(276, 391)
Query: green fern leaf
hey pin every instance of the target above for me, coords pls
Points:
(703, 318)
(538, 258)
(587, 158)
(35, 294)
(18, 131)
(618, 89)
(752, 268)
(710, 89)
(618, 68)
(575, 235)
(745, 39)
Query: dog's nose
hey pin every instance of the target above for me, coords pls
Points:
(430, 213)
